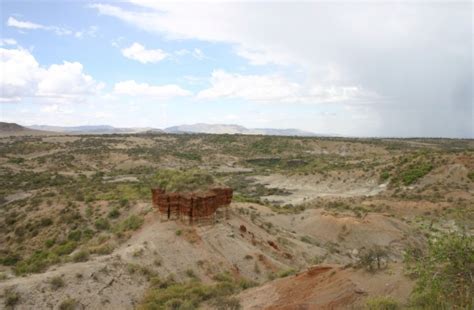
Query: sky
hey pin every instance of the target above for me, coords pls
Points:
(353, 68)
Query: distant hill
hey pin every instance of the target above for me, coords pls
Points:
(9, 127)
(236, 129)
(194, 128)
(13, 129)
(180, 129)
(93, 129)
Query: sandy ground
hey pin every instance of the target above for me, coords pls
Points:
(306, 188)
(328, 287)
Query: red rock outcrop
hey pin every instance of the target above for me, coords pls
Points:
(192, 207)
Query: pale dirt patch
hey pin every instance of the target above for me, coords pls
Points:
(18, 196)
(306, 188)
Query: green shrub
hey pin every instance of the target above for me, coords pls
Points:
(102, 224)
(46, 222)
(470, 176)
(68, 304)
(183, 180)
(81, 256)
(114, 213)
(56, 283)
(226, 303)
(49, 242)
(102, 249)
(444, 273)
(75, 235)
(372, 259)
(133, 222)
(11, 298)
(285, 273)
(65, 248)
(37, 262)
(382, 303)
(190, 295)
(9, 259)
(415, 172)
(384, 176)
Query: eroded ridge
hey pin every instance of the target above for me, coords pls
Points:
(194, 207)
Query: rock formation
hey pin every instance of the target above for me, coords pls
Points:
(195, 207)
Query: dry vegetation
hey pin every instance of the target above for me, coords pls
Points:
(78, 228)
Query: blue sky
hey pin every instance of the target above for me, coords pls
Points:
(353, 68)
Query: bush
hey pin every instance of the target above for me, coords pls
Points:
(444, 273)
(226, 303)
(49, 242)
(81, 256)
(75, 235)
(9, 259)
(11, 298)
(285, 273)
(183, 180)
(415, 172)
(37, 262)
(133, 222)
(68, 304)
(190, 295)
(65, 248)
(470, 176)
(102, 224)
(56, 282)
(102, 249)
(382, 303)
(372, 258)
(114, 213)
(384, 176)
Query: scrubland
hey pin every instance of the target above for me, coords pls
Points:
(320, 223)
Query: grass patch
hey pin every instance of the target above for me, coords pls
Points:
(133, 222)
(382, 303)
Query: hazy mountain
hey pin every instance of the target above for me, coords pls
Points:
(194, 128)
(235, 129)
(13, 129)
(208, 128)
(93, 129)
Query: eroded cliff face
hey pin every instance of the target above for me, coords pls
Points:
(196, 207)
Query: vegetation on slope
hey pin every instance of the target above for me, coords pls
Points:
(445, 273)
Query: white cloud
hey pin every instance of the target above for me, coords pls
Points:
(27, 25)
(90, 32)
(8, 41)
(13, 22)
(138, 52)
(195, 52)
(67, 80)
(275, 88)
(132, 88)
(19, 74)
(22, 76)
(250, 87)
(198, 54)
(387, 48)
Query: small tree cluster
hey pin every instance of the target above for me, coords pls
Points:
(374, 258)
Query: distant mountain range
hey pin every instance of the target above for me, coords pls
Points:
(91, 129)
(10, 128)
(13, 129)
(235, 129)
